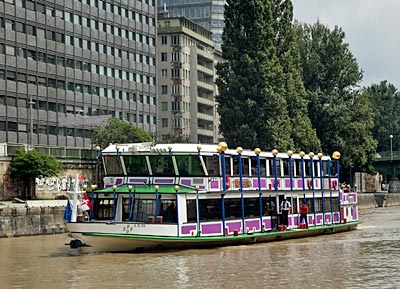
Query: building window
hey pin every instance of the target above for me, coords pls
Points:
(163, 56)
(174, 40)
(164, 89)
(164, 122)
(164, 40)
(164, 106)
(164, 73)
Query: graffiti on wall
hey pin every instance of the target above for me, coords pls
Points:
(10, 186)
(60, 184)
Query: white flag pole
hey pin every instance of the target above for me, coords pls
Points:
(75, 201)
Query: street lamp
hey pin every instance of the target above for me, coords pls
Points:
(391, 147)
(391, 156)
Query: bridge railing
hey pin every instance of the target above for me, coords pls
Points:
(387, 156)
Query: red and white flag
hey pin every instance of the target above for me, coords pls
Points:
(86, 204)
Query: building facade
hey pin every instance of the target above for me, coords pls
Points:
(68, 65)
(186, 60)
(206, 13)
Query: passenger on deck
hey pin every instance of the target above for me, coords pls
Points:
(285, 208)
(303, 213)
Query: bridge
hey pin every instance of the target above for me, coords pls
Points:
(387, 163)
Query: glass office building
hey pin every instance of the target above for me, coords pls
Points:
(66, 65)
(206, 13)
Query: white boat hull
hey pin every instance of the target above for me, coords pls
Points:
(92, 241)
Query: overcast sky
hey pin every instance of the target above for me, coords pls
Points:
(372, 30)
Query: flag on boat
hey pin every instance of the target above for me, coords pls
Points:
(68, 212)
(86, 205)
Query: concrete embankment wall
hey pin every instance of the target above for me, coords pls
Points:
(367, 201)
(28, 221)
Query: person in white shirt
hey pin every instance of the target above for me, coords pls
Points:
(285, 209)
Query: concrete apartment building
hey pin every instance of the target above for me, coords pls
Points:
(206, 13)
(66, 65)
(186, 60)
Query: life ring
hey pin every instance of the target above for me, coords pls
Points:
(227, 182)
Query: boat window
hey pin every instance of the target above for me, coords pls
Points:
(212, 165)
(161, 165)
(143, 210)
(103, 208)
(189, 165)
(298, 168)
(245, 166)
(113, 165)
(233, 208)
(227, 165)
(326, 205)
(168, 211)
(324, 168)
(191, 211)
(136, 165)
(254, 168)
(316, 168)
(269, 206)
(286, 167)
(307, 168)
(278, 167)
(210, 209)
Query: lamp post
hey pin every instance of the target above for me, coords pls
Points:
(30, 134)
(94, 187)
(336, 156)
(222, 147)
(98, 159)
(114, 188)
(391, 154)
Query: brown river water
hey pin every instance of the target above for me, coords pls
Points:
(366, 258)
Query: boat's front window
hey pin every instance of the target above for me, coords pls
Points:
(189, 165)
(212, 165)
(136, 165)
(161, 165)
(113, 165)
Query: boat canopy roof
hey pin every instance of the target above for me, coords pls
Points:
(147, 189)
(191, 148)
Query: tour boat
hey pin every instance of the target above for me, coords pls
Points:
(173, 196)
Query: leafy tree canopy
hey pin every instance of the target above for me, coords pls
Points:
(118, 131)
(260, 69)
(338, 109)
(26, 166)
(385, 99)
(32, 164)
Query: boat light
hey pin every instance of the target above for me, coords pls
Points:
(336, 155)
(222, 146)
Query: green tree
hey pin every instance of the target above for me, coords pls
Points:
(385, 101)
(251, 99)
(339, 110)
(118, 131)
(26, 166)
(303, 134)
